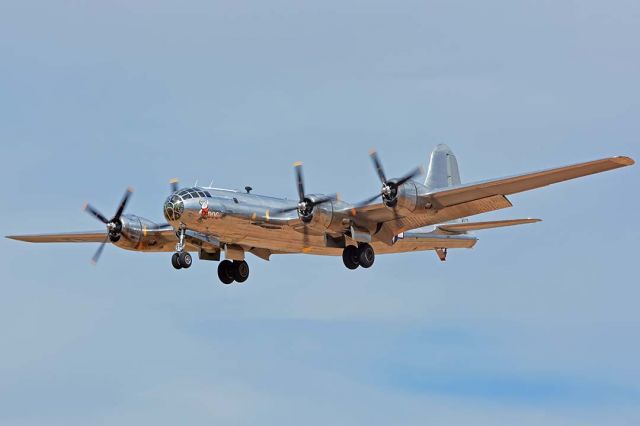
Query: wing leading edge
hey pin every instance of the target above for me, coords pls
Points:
(65, 237)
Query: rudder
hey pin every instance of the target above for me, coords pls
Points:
(443, 169)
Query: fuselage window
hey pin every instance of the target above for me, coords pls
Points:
(187, 196)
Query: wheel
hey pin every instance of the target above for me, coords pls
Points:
(185, 259)
(175, 261)
(240, 271)
(350, 257)
(366, 255)
(225, 272)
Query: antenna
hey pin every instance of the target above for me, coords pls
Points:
(211, 184)
(195, 183)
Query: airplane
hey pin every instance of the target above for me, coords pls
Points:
(404, 216)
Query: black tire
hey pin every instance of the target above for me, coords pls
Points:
(225, 272)
(175, 261)
(366, 255)
(185, 259)
(240, 271)
(350, 257)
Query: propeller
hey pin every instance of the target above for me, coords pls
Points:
(114, 225)
(305, 204)
(390, 187)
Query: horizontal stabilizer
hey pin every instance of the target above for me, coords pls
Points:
(474, 226)
(67, 237)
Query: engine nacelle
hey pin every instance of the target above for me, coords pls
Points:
(329, 216)
(138, 233)
(320, 216)
(406, 197)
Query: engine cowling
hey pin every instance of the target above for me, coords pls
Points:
(406, 197)
(138, 233)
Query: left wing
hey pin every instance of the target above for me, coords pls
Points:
(470, 199)
(525, 182)
(66, 237)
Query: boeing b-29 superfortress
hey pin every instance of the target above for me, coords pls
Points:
(404, 216)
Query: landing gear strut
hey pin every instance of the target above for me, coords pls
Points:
(229, 272)
(181, 259)
(363, 255)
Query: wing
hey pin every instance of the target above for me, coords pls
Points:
(66, 237)
(525, 182)
(470, 199)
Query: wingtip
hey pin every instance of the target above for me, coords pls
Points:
(624, 160)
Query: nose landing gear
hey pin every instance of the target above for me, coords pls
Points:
(181, 259)
(363, 255)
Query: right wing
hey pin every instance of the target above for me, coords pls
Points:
(66, 237)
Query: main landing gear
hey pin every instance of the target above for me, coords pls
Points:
(229, 271)
(363, 255)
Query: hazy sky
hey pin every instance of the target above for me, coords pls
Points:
(538, 324)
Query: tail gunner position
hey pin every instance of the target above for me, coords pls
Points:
(405, 215)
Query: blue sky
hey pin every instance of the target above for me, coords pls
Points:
(537, 324)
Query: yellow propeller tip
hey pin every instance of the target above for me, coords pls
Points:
(173, 180)
(84, 206)
(372, 151)
(130, 189)
(297, 164)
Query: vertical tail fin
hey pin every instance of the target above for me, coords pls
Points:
(443, 169)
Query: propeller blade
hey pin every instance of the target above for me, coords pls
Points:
(285, 210)
(299, 181)
(323, 200)
(96, 256)
(306, 245)
(378, 165)
(95, 213)
(158, 226)
(368, 200)
(174, 185)
(123, 204)
(408, 177)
